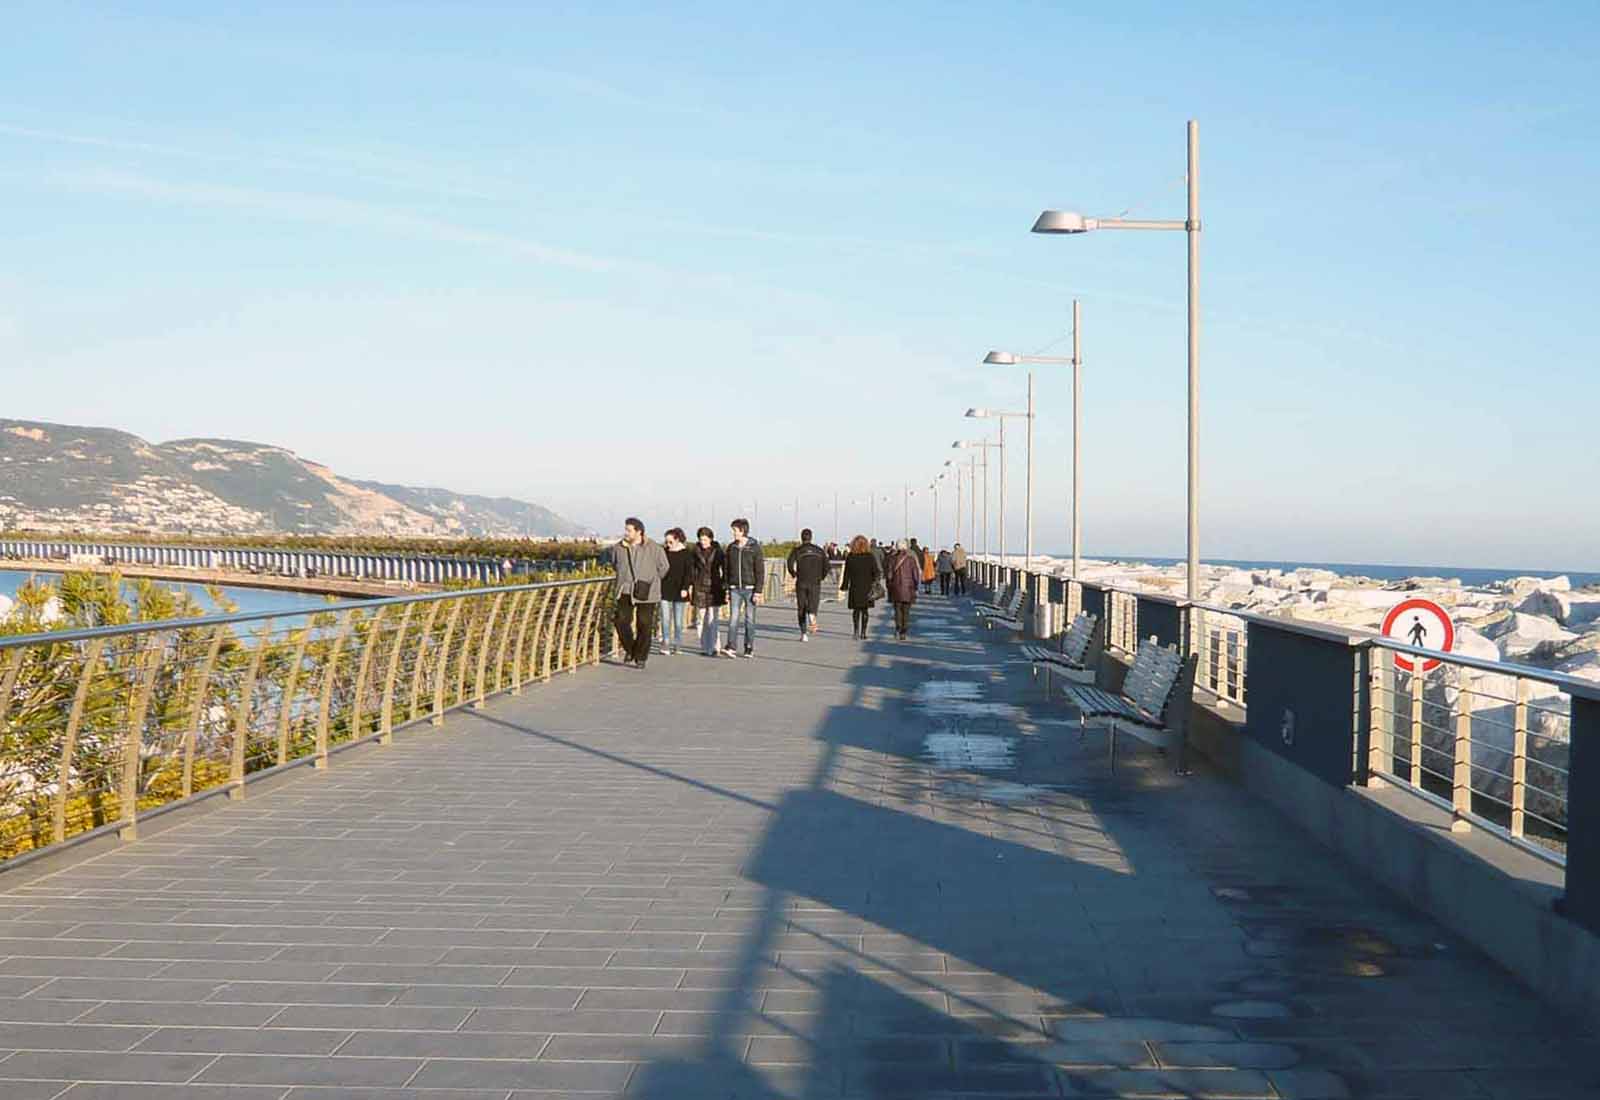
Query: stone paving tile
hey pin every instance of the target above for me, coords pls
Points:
(779, 890)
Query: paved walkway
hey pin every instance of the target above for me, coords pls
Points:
(840, 870)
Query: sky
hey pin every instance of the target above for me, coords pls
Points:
(687, 261)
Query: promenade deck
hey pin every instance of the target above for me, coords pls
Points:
(842, 869)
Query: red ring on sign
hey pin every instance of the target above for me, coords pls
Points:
(1430, 663)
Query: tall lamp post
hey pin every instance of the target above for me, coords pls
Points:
(1066, 221)
(1007, 358)
(985, 446)
(952, 468)
(1002, 416)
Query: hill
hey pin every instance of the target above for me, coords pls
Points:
(65, 477)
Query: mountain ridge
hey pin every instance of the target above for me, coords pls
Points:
(73, 477)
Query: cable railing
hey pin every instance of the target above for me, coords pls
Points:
(1220, 642)
(1485, 740)
(101, 726)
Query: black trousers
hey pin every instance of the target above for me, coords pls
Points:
(902, 618)
(860, 616)
(807, 599)
(636, 625)
(944, 584)
(961, 582)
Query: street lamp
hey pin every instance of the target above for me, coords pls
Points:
(985, 446)
(951, 467)
(1002, 416)
(1066, 221)
(1006, 359)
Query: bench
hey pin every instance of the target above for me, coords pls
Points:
(1078, 655)
(1153, 705)
(1006, 614)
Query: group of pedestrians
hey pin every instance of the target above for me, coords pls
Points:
(657, 583)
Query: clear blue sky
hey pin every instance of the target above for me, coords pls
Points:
(669, 258)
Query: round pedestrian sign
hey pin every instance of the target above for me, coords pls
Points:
(1420, 623)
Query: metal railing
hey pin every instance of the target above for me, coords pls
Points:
(1486, 740)
(1122, 621)
(99, 726)
(1220, 642)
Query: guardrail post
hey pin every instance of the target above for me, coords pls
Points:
(391, 671)
(286, 705)
(364, 668)
(1581, 902)
(549, 630)
(197, 705)
(415, 709)
(1380, 722)
(1416, 721)
(1519, 761)
(442, 668)
(534, 600)
(133, 739)
(1461, 773)
(325, 704)
(241, 721)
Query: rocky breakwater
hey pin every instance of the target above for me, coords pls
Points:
(1537, 622)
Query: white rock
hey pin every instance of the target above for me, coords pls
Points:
(1556, 605)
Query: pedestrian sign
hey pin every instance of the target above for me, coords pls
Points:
(1420, 623)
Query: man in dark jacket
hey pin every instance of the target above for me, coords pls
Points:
(808, 565)
(640, 565)
(746, 573)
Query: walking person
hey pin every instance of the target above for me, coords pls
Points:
(808, 565)
(946, 569)
(674, 590)
(708, 583)
(862, 580)
(640, 565)
(746, 574)
(958, 558)
(928, 570)
(903, 577)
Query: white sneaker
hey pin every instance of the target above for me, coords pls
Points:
(729, 653)
(803, 635)
(663, 650)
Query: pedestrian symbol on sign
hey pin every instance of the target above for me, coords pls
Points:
(1429, 628)
(1419, 633)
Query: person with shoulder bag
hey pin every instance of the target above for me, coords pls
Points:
(641, 564)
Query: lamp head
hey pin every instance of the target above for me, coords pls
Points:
(977, 413)
(1001, 359)
(1063, 221)
(957, 445)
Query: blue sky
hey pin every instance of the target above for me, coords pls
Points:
(676, 259)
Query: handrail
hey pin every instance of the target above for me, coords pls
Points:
(99, 727)
(233, 618)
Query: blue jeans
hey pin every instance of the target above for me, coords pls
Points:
(709, 623)
(672, 616)
(742, 601)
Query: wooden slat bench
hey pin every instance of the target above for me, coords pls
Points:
(1006, 614)
(1153, 705)
(1077, 657)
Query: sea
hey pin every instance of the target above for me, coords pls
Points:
(246, 600)
(1471, 577)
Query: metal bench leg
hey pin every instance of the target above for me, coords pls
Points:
(1113, 731)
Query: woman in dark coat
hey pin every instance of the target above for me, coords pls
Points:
(903, 576)
(709, 585)
(861, 576)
